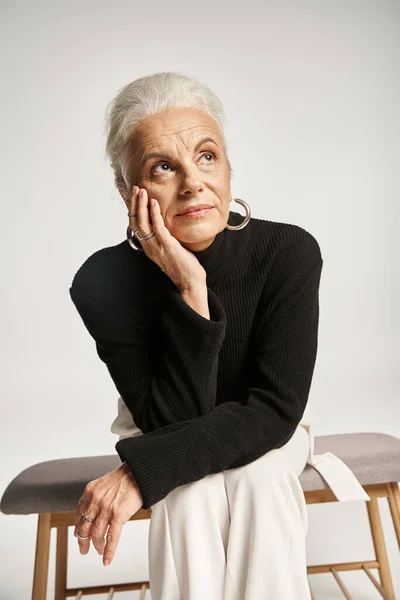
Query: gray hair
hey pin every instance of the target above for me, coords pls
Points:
(148, 96)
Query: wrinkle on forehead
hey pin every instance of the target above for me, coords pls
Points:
(153, 140)
(159, 128)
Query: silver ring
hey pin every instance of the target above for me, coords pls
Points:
(87, 518)
(83, 538)
(144, 237)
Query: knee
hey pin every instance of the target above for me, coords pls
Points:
(265, 475)
(276, 468)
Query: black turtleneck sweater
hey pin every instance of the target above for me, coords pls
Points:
(208, 394)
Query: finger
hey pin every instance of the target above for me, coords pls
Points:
(133, 208)
(82, 527)
(161, 231)
(113, 536)
(142, 212)
(84, 545)
(99, 530)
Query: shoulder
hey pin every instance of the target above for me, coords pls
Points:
(287, 257)
(116, 279)
(285, 245)
(277, 237)
(98, 272)
(109, 279)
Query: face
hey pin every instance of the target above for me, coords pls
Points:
(172, 161)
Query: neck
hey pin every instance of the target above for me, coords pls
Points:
(198, 246)
(224, 249)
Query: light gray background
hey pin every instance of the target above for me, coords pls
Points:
(311, 93)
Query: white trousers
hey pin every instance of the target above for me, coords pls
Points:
(235, 535)
(239, 534)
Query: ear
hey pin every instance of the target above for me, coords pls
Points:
(123, 192)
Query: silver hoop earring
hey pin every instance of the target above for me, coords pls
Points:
(130, 237)
(246, 219)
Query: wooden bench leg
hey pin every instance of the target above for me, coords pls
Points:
(394, 505)
(143, 593)
(41, 569)
(61, 563)
(380, 547)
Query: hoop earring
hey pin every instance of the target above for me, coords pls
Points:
(131, 237)
(246, 219)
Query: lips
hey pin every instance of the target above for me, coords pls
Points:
(195, 208)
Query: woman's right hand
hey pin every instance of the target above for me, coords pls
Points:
(181, 266)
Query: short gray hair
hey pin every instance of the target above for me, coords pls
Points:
(148, 96)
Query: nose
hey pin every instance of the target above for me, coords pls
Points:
(191, 182)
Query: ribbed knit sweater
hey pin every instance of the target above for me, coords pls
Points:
(208, 394)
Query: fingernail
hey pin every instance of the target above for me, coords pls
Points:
(106, 562)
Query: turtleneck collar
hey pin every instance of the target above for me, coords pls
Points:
(226, 248)
(224, 253)
(210, 257)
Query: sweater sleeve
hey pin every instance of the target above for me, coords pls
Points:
(236, 433)
(142, 354)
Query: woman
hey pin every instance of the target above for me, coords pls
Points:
(208, 325)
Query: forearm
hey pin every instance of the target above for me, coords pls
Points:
(164, 368)
(197, 298)
(193, 324)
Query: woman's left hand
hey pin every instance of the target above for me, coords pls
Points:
(110, 501)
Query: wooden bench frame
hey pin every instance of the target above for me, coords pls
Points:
(62, 520)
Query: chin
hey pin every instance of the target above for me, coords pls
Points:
(196, 233)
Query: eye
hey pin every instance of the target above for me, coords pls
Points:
(208, 154)
(153, 169)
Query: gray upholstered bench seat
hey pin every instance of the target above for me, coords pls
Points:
(54, 485)
(373, 457)
(57, 485)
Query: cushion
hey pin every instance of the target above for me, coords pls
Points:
(54, 485)
(373, 458)
(57, 485)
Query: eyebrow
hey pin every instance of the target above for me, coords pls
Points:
(167, 157)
